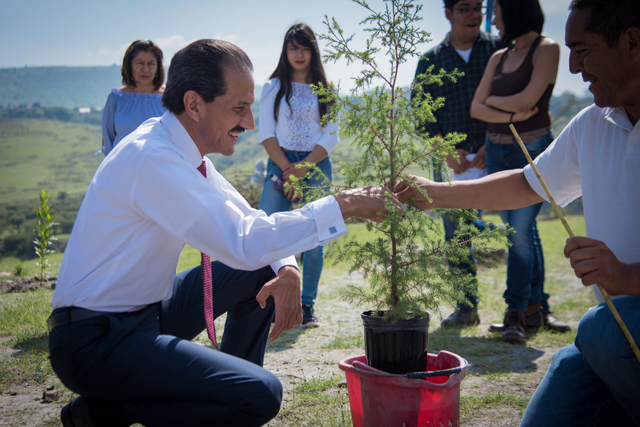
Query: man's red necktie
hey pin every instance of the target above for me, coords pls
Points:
(207, 284)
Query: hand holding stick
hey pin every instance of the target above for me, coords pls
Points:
(605, 294)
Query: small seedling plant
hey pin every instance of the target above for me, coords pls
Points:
(44, 233)
(404, 262)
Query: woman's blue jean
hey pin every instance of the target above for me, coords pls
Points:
(525, 268)
(273, 201)
(596, 380)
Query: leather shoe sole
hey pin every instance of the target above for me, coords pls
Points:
(513, 335)
(499, 327)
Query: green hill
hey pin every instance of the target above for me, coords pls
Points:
(61, 153)
(50, 154)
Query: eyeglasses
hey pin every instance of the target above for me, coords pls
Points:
(468, 11)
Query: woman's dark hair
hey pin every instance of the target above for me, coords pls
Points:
(610, 18)
(133, 49)
(302, 35)
(202, 67)
(519, 17)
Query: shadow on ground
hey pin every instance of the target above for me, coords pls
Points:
(486, 354)
(287, 340)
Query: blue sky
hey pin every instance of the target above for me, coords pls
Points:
(87, 33)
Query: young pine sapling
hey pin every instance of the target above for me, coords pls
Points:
(404, 262)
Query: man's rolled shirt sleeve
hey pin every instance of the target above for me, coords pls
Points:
(559, 167)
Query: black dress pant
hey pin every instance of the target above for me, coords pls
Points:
(146, 367)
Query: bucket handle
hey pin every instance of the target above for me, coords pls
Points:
(414, 375)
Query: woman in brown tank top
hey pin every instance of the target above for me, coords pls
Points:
(516, 88)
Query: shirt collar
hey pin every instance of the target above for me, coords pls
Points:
(181, 138)
(481, 37)
(618, 116)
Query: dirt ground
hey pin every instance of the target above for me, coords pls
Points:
(306, 353)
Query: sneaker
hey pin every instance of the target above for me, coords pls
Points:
(309, 318)
(513, 326)
(461, 318)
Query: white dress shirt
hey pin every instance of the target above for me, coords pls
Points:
(298, 127)
(597, 156)
(147, 199)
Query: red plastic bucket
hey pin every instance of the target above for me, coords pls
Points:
(378, 399)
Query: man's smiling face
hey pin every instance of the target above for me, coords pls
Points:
(608, 69)
(467, 27)
(227, 116)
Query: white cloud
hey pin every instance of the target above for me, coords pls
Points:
(231, 38)
(104, 51)
(170, 45)
(175, 42)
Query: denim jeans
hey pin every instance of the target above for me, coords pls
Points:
(596, 380)
(144, 366)
(525, 267)
(450, 226)
(273, 201)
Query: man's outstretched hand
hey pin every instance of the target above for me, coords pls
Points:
(366, 203)
(285, 290)
(405, 191)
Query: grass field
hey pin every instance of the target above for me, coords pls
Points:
(46, 154)
(496, 390)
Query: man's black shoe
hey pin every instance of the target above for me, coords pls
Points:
(76, 414)
(309, 318)
(513, 326)
(461, 318)
(552, 322)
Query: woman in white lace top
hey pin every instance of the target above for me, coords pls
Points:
(291, 133)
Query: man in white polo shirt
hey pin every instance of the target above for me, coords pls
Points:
(122, 323)
(596, 380)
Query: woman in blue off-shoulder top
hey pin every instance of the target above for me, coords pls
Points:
(292, 134)
(140, 97)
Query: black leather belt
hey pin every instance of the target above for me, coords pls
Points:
(66, 315)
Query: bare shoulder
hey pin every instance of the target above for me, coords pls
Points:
(548, 48)
(160, 90)
(546, 41)
(125, 88)
(497, 55)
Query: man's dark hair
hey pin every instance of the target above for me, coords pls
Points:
(448, 4)
(610, 18)
(520, 17)
(201, 67)
(135, 48)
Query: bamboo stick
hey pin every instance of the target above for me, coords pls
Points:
(605, 294)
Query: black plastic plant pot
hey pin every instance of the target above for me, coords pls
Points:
(396, 347)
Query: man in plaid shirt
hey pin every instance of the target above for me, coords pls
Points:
(468, 50)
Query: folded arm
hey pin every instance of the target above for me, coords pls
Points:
(545, 71)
